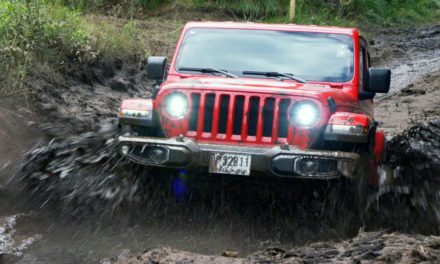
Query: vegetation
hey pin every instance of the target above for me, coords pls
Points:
(367, 12)
(50, 35)
(341, 12)
(47, 36)
(36, 31)
(333, 12)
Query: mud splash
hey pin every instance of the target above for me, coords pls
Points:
(410, 192)
(83, 176)
(11, 247)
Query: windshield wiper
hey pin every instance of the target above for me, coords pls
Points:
(208, 70)
(276, 74)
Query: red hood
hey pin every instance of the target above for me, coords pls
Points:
(343, 95)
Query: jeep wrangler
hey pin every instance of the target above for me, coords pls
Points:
(262, 100)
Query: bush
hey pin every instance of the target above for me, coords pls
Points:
(34, 32)
(116, 38)
(367, 12)
(46, 37)
(332, 12)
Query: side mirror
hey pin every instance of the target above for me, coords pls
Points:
(156, 67)
(378, 80)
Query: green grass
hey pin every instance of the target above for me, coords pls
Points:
(36, 32)
(321, 12)
(44, 37)
(48, 35)
(371, 13)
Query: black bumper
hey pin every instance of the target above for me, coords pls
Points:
(282, 161)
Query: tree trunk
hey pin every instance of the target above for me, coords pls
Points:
(292, 10)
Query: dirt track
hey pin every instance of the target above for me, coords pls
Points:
(93, 93)
(378, 247)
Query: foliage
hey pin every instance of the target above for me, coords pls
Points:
(45, 35)
(36, 31)
(332, 12)
(253, 9)
(367, 12)
(120, 8)
(115, 38)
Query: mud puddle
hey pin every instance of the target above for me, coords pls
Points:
(91, 203)
(98, 203)
(410, 53)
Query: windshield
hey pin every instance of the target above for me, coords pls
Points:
(310, 56)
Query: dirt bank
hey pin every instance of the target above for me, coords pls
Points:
(413, 55)
(417, 102)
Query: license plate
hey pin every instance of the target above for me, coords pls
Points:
(228, 163)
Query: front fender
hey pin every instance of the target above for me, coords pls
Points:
(349, 127)
(138, 112)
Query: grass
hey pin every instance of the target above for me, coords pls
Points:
(320, 12)
(115, 38)
(368, 13)
(43, 37)
(50, 35)
(34, 33)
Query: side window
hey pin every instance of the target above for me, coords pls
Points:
(362, 69)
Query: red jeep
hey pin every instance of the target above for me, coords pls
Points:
(262, 100)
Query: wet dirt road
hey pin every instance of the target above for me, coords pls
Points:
(75, 218)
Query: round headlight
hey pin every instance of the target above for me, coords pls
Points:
(304, 114)
(176, 105)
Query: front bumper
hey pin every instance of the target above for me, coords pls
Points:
(282, 161)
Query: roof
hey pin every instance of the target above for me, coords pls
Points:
(264, 26)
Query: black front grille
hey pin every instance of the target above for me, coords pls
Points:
(284, 122)
(268, 117)
(194, 115)
(238, 115)
(209, 111)
(253, 116)
(223, 117)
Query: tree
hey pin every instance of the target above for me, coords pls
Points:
(292, 10)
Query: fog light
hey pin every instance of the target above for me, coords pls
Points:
(125, 149)
(307, 166)
(158, 155)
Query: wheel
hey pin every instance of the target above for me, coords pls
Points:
(359, 186)
(360, 183)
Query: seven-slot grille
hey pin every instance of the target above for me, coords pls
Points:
(241, 117)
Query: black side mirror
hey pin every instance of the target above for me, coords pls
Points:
(156, 67)
(378, 80)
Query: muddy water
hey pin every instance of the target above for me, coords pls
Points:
(114, 205)
(90, 203)
(410, 53)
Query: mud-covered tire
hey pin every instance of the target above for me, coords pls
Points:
(357, 189)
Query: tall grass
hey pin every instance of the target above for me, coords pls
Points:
(36, 31)
(253, 9)
(44, 37)
(346, 12)
(120, 8)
